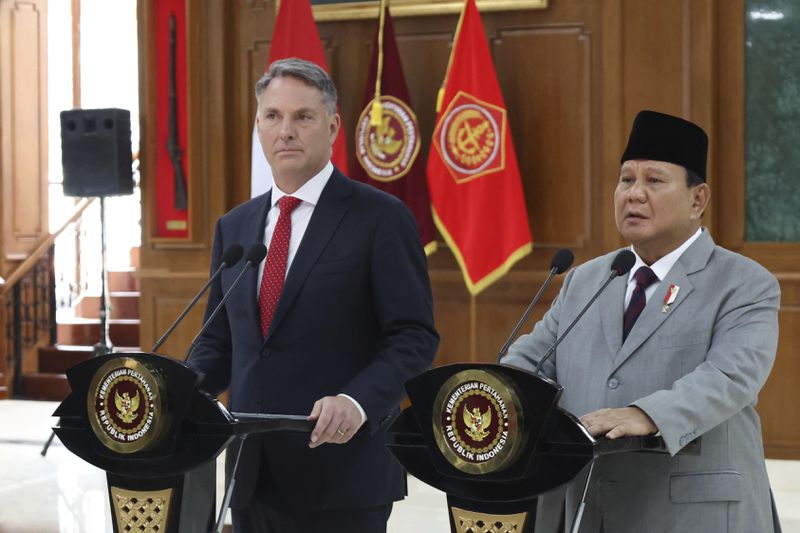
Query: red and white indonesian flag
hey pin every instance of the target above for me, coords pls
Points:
(295, 35)
(473, 178)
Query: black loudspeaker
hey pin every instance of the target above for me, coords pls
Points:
(96, 152)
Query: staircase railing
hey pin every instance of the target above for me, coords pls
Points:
(28, 308)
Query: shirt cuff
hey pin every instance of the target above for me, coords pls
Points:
(358, 406)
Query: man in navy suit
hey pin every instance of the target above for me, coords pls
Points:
(333, 323)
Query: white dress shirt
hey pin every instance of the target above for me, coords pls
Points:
(309, 193)
(660, 268)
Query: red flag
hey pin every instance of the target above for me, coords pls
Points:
(387, 134)
(474, 181)
(295, 35)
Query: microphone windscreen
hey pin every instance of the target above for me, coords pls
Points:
(232, 255)
(562, 260)
(623, 262)
(257, 252)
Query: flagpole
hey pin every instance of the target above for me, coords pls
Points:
(473, 329)
(376, 114)
(440, 95)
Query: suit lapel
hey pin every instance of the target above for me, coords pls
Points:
(693, 260)
(611, 306)
(652, 315)
(327, 215)
(252, 234)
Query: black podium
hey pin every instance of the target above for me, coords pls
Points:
(144, 420)
(493, 438)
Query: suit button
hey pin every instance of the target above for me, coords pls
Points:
(613, 383)
(265, 353)
(600, 481)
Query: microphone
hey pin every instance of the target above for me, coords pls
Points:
(622, 263)
(255, 255)
(231, 256)
(561, 261)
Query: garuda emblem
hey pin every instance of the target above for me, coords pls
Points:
(127, 407)
(477, 423)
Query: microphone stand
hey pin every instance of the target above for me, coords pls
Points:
(226, 499)
(255, 423)
(526, 314)
(216, 312)
(552, 349)
(188, 308)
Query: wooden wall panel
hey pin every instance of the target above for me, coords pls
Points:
(654, 57)
(778, 402)
(549, 108)
(165, 306)
(23, 115)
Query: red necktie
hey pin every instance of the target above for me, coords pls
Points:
(644, 278)
(275, 265)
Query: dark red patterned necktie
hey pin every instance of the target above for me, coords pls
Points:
(644, 278)
(275, 265)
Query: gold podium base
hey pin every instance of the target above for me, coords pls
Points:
(473, 522)
(141, 511)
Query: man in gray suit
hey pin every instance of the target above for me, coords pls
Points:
(680, 347)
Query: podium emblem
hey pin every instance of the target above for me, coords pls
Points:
(477, 421)
(125, 406)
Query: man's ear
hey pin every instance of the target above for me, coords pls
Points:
(336, 124)
(701, 194)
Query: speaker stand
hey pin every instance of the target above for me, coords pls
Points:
(103, 346)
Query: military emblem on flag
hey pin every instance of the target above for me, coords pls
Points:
(471, 137)
(387, 150)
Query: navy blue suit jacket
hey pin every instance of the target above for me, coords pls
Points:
(355, 317)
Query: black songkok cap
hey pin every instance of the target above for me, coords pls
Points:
(661, 137)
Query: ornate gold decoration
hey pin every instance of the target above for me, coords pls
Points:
(470, 137)
(349, 10)
(141, 511)
(387, 151)
(477, 421)
(472, 522)
(125, 405)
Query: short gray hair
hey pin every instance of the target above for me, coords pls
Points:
(305, 71)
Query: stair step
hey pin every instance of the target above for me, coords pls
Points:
(57, 359)
(86, 332)
(123, 305)
(122, 281)
(45, 386)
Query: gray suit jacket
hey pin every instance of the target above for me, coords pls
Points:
(696, 370)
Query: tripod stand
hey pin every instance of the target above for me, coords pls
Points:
(103, 345)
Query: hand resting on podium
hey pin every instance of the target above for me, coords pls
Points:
(338, 419)
(620, 422)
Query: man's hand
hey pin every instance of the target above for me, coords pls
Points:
(337, 418)
(622, 422)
